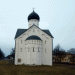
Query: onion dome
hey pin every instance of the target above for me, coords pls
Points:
(33, 37)
(33, 15)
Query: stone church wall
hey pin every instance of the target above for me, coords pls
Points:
(43, 57)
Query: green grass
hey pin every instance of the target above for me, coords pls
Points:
(36, 70)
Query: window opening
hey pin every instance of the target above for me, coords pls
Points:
(39, 42)
(33, 30)
(38, 49)
(21, 49)
(21, 41)
(45, 50)
(33, 50)
(19, 60)
(28, 49)
(45, 41)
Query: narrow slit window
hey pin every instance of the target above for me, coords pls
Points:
(21, 41)
(38, 49)
(21, 49)
(39, 42)
(45, 41)
(33, 30)
(33, 50)
(28, 49)
(45, 50)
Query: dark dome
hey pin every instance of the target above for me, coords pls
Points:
(33, 37)
(33, 15)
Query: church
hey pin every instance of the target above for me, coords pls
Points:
(33, 46)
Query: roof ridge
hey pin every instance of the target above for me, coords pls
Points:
(21, 31)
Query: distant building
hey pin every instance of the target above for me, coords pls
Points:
(72, 51)
(33, 46)
(66, 58)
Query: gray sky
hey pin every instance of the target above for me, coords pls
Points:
(56, 15)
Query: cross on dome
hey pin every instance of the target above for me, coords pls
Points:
(33, 8)
(33, 15)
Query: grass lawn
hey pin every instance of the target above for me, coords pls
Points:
(36, 70)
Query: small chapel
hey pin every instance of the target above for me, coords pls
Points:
(33, 46)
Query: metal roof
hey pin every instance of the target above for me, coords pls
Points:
(21, 31)
(33, 15)
(33, 37)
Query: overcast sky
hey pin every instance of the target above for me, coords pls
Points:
(56, 15)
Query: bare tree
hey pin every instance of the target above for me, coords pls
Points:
(12, 52)
(2, 55)
(72, 51)
(59, 52)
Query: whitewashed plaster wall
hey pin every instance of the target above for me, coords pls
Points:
(33, 21)
(45, 55)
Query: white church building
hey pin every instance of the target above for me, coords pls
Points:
(33, 46)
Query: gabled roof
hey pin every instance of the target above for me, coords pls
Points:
(21, 31)
(48, 32)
